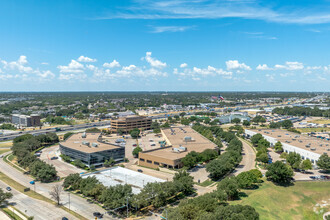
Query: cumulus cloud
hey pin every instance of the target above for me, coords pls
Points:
(46, 74)
(263, 67)
(235, 65)
(154, 62)
(73, 67)
(290, 66)
(19, 65)
(183, 65)
(195, 73)
(113, 64)
(86, 59)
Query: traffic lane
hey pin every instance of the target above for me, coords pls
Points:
(77, 204)
(248, 160)
(36, 208)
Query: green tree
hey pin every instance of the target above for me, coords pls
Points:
(324, 162)
(294, 159)
(287, 124)
(230, 186)
(246, 123)
(278, 147)
(306, 165)
(135, 133)
(136, 151)
(236, 212)
(4, 196)
(278, 172)
(185, 181)
(236, 121)
(255, 139)
(66, 135)
(263, 158)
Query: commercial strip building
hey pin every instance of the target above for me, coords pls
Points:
(179, 142)
(128, 123)
(26, 120)
(308, 147)
(91, 149)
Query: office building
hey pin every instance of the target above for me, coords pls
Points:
(179, 142)
(308, 147)
(26, 120)
(128, 123)
(90, 149)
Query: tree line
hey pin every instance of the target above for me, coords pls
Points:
(155, 194)
(24, 148)
(302, 111)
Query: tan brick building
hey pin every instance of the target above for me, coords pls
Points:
(128, 123)
(179, 142)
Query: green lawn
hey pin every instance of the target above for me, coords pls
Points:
(305, 130)
(294, 202)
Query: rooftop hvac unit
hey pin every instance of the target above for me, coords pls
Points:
(182, 148)
(83, 135)
(95, 144)
(187, 138)
(85, 143)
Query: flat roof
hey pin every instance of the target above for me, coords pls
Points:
(297, 140)
(176, 138)
(119, 175)
(75, 142)
(131, 117)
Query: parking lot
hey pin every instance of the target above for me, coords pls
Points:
(63, 169)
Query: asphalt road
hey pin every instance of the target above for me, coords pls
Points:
(248, 161)
(40, 210)
(77, 204)
(64, 128)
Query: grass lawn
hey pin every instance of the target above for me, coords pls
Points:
(304, 130)
(6, 144)
(4, 150)
(320, 121)
(293, 202)
(207, 182)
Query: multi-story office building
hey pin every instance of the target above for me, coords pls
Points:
(90, 149)
(25, 120)
(126, 124)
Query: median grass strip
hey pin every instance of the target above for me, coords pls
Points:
(11, 214)
(9, 159)
(19, 187)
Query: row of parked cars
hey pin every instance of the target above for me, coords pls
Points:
(321, 177)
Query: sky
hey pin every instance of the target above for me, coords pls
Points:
(165, 45)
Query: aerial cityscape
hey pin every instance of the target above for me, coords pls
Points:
(165, 109)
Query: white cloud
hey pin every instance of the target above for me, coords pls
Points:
(46, 74)
(113, 64)
(161, 29)
(195, 73)
(132, 70)
(263, 67)
(44, 63)
(154, 62)
(86, 59)
(235, 65)
(290, 66)
(183, 65)
(76, 76)
(73, 67)
(19, 65)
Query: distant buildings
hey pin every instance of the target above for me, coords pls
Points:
(25, 120)
(228, 118)
(128, 123)
(90, 149)
(179, 142)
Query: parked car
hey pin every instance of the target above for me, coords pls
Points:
(97, 214)
(139, 170)
(65, 218)
(54, 158)
(8, 188)
(134, 145)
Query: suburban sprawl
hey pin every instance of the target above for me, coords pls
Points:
(165, 155)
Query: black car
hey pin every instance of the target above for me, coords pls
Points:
(139, 170)
(65, 218)
(97, 214)
(8, 188)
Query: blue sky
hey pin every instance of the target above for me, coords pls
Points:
(148, 45)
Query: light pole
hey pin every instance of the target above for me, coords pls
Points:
(69, 200)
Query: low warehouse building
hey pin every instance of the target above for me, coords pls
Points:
(179, 142)
(308, 147)
(90, 149)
